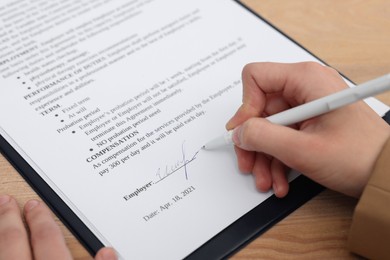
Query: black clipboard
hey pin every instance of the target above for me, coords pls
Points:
(224, 244)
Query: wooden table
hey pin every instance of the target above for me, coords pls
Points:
(352, 36)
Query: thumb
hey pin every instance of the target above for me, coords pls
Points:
(106, 253)
(289, 145)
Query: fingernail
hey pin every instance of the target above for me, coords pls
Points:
(237, 135)
(228, 124)
(4, 199)
(31, 204)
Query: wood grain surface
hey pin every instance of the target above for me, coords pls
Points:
(352, 36)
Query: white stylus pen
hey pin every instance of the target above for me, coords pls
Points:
(316, 107)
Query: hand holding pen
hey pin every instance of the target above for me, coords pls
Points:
(337, 149)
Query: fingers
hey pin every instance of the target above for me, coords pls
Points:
(272, 87)
(298, 82)
(246, 160)
(262, 173)
(294, 84)
(253, 101)
(279, 178)
(268, 172)
(47, 240)
(286, 144)
(13, 236)
(106, 253)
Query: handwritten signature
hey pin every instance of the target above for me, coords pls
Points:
(178, 165)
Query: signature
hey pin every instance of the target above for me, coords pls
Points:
(177, 166)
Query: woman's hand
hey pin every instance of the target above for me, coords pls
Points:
(44, 239)
(337, 150)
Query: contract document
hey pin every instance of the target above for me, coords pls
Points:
(109, 102)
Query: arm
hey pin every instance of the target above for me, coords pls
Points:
(370, 230)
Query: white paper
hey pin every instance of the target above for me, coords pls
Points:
(110, 102)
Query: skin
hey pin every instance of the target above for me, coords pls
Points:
(337, 150)
(44, 240)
